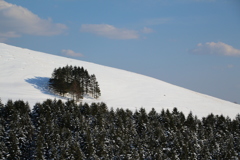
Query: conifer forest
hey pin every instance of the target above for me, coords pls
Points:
(69, 131)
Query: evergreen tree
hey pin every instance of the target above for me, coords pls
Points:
(75, 81)
(57, 130)
(3, 148)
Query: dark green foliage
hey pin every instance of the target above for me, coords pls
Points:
(57, 130)
(18, 130)
(74, 81)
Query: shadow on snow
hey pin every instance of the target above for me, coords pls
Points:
(42, 83)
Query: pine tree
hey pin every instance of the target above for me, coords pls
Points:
(40, 148)
(190, 122)
(3, 148)
(75, 81)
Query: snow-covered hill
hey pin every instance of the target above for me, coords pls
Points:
(24, 75)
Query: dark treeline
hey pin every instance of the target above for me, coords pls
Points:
(57, 130)
(75, 81)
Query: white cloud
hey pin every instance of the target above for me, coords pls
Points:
(16, 20)
(147, 30)
(5, 36)
(71, 53)
(218, 48)
(109, 31)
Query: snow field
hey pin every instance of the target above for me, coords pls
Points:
(24, 75)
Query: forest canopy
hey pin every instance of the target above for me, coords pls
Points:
(57, 130)
(74, 81)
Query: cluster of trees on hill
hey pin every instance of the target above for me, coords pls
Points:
(57, 130)
(75, 81)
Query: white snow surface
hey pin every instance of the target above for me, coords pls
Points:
(24, 75)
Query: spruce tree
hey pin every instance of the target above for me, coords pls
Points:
(75, 81)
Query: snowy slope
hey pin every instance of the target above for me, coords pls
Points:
(24, 75)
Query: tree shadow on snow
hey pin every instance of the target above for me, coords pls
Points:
(41, 83)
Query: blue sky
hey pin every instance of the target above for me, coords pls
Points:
(194, 44)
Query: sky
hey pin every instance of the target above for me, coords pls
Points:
(194, 44)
